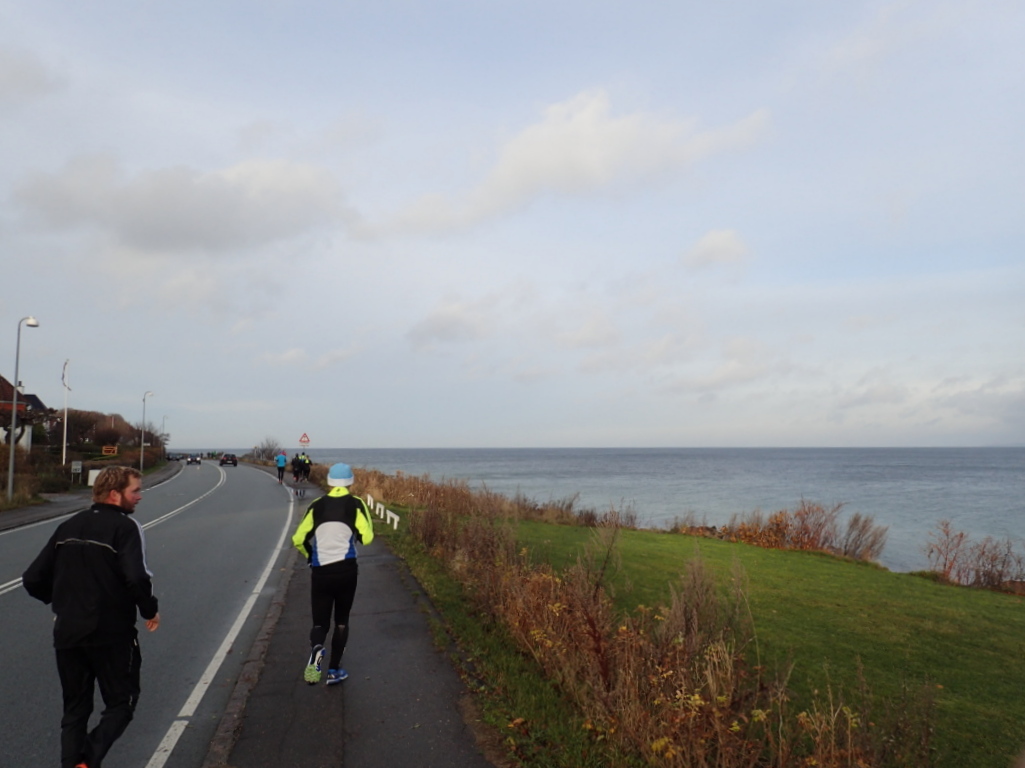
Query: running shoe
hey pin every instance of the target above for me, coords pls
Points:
(312, 673)
(335, 676)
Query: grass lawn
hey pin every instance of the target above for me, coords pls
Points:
(825, 614)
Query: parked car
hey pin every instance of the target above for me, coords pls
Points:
(229, 458)
(193, 459)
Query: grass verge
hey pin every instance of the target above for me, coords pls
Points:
(530, 721)
(832, 618)
(872, 660)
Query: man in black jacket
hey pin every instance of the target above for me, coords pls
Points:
(93, 571)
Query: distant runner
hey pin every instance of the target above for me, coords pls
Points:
(327, 538)
(281, 460)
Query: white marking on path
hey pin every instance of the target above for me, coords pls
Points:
(167, 744)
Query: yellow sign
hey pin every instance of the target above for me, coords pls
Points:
(110, 450)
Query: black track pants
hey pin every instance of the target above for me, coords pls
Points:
(332, 592)
(115, 667)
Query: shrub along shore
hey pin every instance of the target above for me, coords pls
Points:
(599, 644)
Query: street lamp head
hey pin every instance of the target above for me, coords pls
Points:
(31, 322)
(148, 394)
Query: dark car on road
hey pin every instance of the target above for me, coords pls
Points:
(229, 458)
(193, 459)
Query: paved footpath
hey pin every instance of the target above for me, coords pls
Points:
(401, 705)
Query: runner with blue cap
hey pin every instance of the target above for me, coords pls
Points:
(327, 538)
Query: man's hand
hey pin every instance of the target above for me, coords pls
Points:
(152, 624)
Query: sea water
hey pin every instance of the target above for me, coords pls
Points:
(908, 490)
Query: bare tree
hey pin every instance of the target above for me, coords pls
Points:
(268, 449)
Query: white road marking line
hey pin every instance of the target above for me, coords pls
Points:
(10, 586)
(180, 509)
(170, 739)
(42, 522)
(88, 503)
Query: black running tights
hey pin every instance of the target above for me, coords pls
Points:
(332, 592)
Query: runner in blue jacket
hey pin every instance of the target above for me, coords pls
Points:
(281, 460)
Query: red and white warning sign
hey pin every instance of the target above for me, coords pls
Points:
(304, 440)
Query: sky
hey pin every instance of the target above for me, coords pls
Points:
(564, 223)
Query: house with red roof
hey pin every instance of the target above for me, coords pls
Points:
(31, 411)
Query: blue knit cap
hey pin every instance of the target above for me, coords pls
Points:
(340, 474)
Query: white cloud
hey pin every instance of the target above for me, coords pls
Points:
(641, 356)
(868, 44)
(578, 148)
(350, 130)
(242, 325)
(293, 356)
(218, 224)
(874, 394)
(452, 321)
(24, 77)
(182, 209)
(596, 331)
(998, 401)
(718, 246)
(894, 28)
(334, 357)
(184, 284)
(890, 400)
(530, 373)
(260, 134)
(234, 406)
(866, 322)
(743, 361)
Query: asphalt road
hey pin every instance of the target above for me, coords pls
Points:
(215, 539)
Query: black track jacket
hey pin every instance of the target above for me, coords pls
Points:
(93, 570)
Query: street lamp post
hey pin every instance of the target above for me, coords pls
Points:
(142, 432)
(163, 435)
(31, 322)
(64, 381)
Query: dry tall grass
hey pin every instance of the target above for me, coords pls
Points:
(810, 527)
(672, 683)
(987, 564)
(456, 496)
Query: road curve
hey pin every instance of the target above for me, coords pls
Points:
(215, 544)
